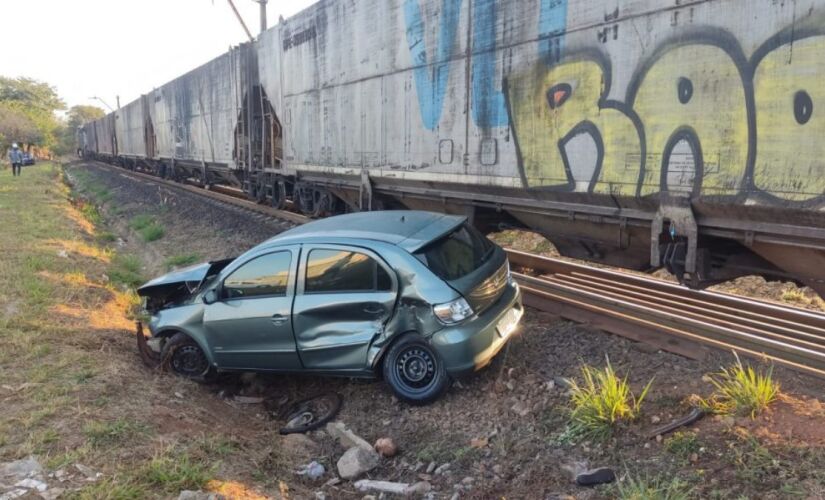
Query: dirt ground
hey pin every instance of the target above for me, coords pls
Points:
(502, 431)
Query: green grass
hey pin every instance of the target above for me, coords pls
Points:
(741, 390)
(182, 260)
(152, 233)
(113, 433)
(601, 401)
(653, 489)
(141, 221)
(126, 270)
(173, 473)
(683, 444)
(147, 227)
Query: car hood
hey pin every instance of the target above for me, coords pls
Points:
(177, 286)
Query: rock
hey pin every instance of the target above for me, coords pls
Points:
(479, 443)
(381, 486)
(32, 484)
(563, 382)
(52, 493)
(442, 469)
(419, 488)
(655, 419)
(21, 469)
(455, 496)
(431, 468)
(550, 385)
(386, 447)
(694, 457)
(467, 481)
(357, 461)
(346, 437)
(320, 495)
(63, 253)
(659, 438)
(199, 495)
(520, 409)
(312, 470)
(90, 474)
(333, 482)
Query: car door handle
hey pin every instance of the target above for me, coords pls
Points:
(279, 319)
(373, 310)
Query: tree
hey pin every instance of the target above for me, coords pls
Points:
(27, 102)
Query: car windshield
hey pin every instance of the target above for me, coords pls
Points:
(457, 254)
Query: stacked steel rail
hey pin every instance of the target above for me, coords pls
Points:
(670, 316)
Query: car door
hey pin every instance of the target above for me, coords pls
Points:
(345, 297)
(250, 326)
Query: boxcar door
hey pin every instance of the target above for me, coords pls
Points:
(345, 297)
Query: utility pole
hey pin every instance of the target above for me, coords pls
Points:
(117, 97)
(262, 3)
(104, 102)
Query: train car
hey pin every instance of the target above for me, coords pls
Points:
(633, 133)
(194, 118)
(130, 129)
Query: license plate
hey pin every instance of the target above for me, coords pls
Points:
(508, 322)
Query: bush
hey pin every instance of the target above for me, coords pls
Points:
(741, 390)
(602, 401)
(152, 232)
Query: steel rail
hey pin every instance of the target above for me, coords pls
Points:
(670, 316)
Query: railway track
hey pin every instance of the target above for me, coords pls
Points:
(220, 194)
(670, 316)
(665, 315)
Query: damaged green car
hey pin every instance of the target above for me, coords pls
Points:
(413, 297)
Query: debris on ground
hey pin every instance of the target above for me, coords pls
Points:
(694, 416)
(593, 477)
(311, 413)
(382, 486)
(346, 437)
(356, 462)
(386, 447)
(312, 470)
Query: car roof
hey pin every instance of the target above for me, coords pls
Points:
(408, 229)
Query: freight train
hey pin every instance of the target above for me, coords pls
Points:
(686, 134)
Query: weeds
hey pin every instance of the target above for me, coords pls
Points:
(147, 227)
(795, 295)
(683, 444)
(112, 433)
(602, 401)
(176, 473)
(653, 489)
(182, 260)
(125, 270)
(741, 390)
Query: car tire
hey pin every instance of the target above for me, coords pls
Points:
(183, 356)
(414, 371)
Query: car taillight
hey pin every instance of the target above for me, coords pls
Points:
(453, 312)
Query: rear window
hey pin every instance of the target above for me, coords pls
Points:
(457, 254)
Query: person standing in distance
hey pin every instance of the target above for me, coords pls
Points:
(16, 159)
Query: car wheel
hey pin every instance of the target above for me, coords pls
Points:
(183, 356)
(414, 371)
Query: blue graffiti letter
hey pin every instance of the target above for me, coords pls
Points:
(431, 89)
(552, 23)
(489, 109)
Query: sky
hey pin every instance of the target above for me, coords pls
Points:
(125, 48)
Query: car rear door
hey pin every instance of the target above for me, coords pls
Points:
(345, 297)
(250, 326)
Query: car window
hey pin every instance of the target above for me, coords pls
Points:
(264, 275)
(344, 271)
(457, 254)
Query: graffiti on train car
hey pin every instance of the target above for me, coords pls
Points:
(698, 117)
(488, 107)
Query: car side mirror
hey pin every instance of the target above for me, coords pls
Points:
(210, 297)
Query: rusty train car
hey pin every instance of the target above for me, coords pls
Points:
(638, 133)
